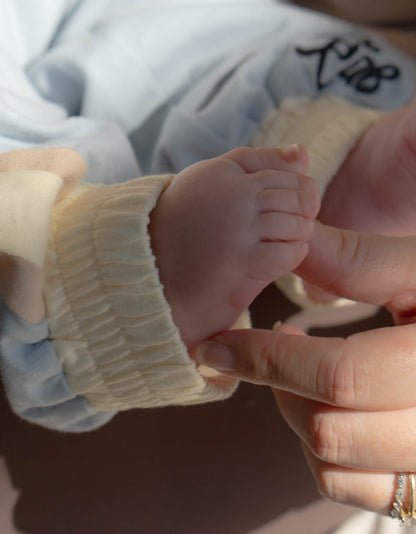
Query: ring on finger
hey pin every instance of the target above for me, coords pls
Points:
(405, 492)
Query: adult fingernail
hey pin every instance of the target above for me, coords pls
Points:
(291, 153)
(216, 355)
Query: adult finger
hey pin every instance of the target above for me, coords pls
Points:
(373, 370)
(370, 490)
(379, 440)
(365, 267)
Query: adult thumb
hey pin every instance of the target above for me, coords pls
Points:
(366, 267)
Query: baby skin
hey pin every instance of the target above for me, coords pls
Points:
(227, 227)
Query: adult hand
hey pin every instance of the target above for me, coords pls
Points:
(351, 401)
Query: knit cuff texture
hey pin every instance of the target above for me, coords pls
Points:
(327, 127)
(110, 323)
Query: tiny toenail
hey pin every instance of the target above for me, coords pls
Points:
(216, 355)
(291, 153)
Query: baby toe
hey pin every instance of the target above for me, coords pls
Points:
(293, 159)
(298, 202)
(280, 226)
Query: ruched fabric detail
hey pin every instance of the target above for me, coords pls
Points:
(110, 323)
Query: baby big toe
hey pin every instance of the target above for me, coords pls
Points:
(295, 201)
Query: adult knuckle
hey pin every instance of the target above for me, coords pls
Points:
(266, 367)
(322, 437)
(353, 255)
(349, 249)
(269, 363)
(329, 438)
(330, 485)
(340, 381)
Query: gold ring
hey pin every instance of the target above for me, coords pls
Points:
(405, 514)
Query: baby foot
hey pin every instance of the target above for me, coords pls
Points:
(225, 228)
(375, 189)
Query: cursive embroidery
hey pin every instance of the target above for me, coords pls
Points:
(351, 62)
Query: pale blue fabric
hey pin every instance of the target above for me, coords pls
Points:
(34, 379)
(225, 109)
(144, 86)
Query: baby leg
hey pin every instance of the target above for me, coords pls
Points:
(225, 228)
